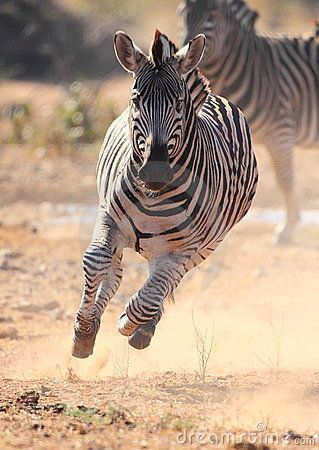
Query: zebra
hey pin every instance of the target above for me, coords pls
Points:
(175, 173)
(273, 79)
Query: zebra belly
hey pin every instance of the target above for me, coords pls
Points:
(151, 235)
(157, 234)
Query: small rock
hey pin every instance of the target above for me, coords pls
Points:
(5, 256)
(29, 398)
(57, 408)
(45, 390)
(42, 269)
(6, 319)
(27, 317)
(68, 315)
(28, 308)
(3, 262)
(34, 229)
(50, 306)
(9, 254)
(10, 333)
(38, 426)
(57, 314)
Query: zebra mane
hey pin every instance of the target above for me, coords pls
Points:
(162, 49)
(162, 52)
(238, 9)
(199, 88)
(246, 15)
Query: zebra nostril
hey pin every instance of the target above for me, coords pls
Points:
(158, 172)
(142, 173)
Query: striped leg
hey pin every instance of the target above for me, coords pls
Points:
(283, 164)
(102, 277)
(144, 309)
(282, 152)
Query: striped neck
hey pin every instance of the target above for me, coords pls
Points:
(220, 69)
(199, 88)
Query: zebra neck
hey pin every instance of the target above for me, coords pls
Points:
(199, 88)
(240, 50)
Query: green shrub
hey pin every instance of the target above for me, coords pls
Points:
(82, 117)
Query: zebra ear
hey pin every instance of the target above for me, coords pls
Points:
(127, 53)
(190, 55)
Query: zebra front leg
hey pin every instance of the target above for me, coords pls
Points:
(102, 277)
(144, 309)
(143, 335)
(282, 158)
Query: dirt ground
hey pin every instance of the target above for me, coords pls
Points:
(257, 302)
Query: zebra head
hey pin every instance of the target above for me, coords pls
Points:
(160, 105)
(217, 19)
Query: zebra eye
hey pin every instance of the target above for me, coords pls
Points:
(179, 106)
(135, 102)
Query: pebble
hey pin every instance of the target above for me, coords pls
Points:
(9, 333)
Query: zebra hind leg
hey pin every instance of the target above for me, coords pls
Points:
(144, 309)
(282, 158)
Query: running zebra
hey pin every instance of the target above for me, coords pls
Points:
(176, 172)
(274, 80)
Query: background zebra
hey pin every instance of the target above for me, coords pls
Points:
(274, 80)
(176, 172)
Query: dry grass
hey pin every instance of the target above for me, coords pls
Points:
(204, 348)
(272, 357)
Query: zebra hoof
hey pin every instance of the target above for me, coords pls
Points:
(142, 337)
(283, 236)
(82, 348)
(125, 326)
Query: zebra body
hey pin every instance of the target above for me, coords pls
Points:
(159, 224)
(274, 80)
(176, 172)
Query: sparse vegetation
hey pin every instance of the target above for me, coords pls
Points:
(272, 356)
(72, 376)
(81, 117)
(21, 123)
(176, 422)
(122, 364)
(204, 347)
(112, 415)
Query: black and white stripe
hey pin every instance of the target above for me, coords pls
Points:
(204, 181)
(274, 80)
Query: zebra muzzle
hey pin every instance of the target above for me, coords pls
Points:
(155, 174)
